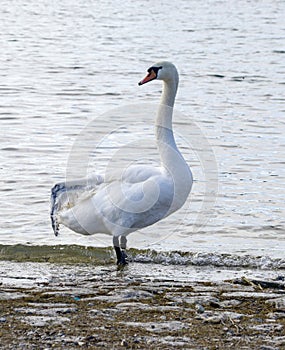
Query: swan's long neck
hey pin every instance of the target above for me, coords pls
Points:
(164, 133)
(169, 91)
(171, 158)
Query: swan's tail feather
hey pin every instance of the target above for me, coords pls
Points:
(60, 198)
(56, 191)
(66, 195)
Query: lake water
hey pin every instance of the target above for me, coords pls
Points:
(71, 67)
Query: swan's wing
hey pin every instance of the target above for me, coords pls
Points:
(123, 204)
(137, 205)
(140, 173)
(65, 195)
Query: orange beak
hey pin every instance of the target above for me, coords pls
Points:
(149, 77)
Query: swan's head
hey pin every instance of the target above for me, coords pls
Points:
(161, 71)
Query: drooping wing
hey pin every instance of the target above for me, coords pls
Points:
(65, 195)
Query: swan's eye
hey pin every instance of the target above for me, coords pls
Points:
(154, 69)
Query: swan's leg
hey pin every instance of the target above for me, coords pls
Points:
(117, 249)
(123, 244)
(121, 256)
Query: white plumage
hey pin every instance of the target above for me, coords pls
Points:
(123, 202)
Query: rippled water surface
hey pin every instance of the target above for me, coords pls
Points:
(65, 63)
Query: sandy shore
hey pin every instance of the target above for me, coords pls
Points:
(144, 306)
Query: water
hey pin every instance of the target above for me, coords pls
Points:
(65, 63)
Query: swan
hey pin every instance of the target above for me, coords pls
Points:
(140, 196)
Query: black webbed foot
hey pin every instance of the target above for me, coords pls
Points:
(121, 256)
(124, 258)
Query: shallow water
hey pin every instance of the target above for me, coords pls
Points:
(64, 64)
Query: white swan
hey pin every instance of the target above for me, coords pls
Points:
(143, 195)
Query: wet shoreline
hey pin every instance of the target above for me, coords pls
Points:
(144, 306)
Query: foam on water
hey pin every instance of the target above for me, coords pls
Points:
(98, 256)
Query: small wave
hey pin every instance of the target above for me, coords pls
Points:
(74, 254)
(210, 259)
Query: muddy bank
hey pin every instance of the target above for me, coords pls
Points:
(145, 306)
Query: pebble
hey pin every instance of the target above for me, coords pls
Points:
(199, 308)
(124, 343)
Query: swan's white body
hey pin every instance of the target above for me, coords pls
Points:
(119, 204)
